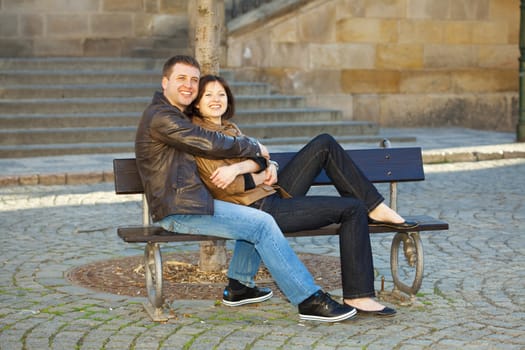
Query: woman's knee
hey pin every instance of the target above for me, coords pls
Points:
(325, 140)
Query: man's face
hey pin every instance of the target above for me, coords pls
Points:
(181, 87)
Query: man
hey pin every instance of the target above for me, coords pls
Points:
(165, 146)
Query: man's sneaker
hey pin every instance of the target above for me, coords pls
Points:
(321, 307)
(246, 295)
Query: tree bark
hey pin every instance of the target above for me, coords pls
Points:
(208, 27)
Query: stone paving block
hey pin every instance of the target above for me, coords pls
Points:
(35, 342)
(28, 180)
(481, 156)
(66, 340)
(120, 340)
(177, 341)
(84, 178)
(431, 158)
(514, 154)
(118, 346)
(460, 157)
(108, 176)
(52, 179)
(9, 180)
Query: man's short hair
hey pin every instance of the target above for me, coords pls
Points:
(183, 59)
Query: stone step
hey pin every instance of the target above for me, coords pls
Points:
(59, 64)
(80, 63)
(356, 139)
(49, 77)
(160, 53)
(60, 91)
(110, 90)
(25, 151)
(131, 118)
(67, 135)
(67, 120)
(129, 104)
(308, 129)
(58, 106)
(309, 114)
(127, 133)
(37, 150)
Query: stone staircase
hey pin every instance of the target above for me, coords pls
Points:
(58, 106)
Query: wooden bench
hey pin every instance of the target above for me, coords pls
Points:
(380, 165)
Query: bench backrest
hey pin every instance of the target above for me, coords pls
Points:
(379, 165)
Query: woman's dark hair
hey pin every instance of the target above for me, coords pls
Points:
(192, 109)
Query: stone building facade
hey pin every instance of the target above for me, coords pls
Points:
(397, 62)
(39, 28)
(400, 63)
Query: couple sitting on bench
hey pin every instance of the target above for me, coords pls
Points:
(184, 165)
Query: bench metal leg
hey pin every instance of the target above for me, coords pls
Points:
(413, 252)
(153, 269)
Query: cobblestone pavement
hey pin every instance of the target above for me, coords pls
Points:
(473, 293)
(472, 296)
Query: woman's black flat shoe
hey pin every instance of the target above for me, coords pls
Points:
(386, 312)
(407, 225)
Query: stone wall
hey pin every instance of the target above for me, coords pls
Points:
(92, 27)
(397, 62)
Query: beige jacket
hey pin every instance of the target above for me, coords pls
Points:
(235, 192)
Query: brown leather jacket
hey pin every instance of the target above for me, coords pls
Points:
(165, 146)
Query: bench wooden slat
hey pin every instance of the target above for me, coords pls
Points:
(156, 234)
(379, 165)
(127, 178)
(390, 164)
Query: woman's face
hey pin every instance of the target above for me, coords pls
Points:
(214, 101)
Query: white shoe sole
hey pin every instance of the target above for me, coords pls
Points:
(248, 301)
(348, 315)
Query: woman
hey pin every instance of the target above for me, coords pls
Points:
(253, 182)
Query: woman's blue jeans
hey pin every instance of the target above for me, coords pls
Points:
(257, 237)
(358, 196)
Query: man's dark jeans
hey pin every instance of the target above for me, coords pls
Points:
(358, 197)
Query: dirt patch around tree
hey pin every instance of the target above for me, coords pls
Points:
(183, 279)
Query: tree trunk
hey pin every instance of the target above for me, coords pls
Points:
(208, 27)
(209, 18)
(212, 256)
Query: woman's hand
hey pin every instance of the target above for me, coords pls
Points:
(223, 176)
(270, 175)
